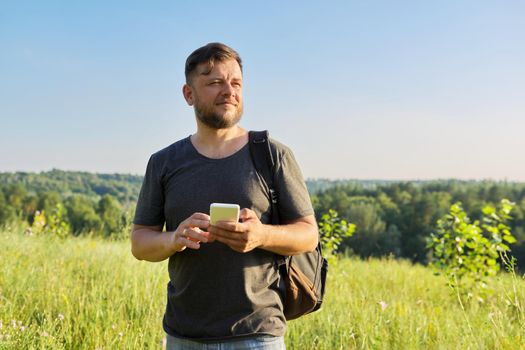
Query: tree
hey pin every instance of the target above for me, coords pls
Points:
(82, 215)
(110, 212)
(368, 239)
(48, 200)
(15, 195)
(7, 212)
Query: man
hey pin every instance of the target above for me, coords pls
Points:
(224, 285)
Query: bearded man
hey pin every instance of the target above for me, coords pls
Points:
(225, 290)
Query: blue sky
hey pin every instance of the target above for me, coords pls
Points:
(358, 89)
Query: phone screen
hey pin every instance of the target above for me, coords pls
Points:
(224, 212)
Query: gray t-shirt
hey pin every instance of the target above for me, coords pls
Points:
(215, 292)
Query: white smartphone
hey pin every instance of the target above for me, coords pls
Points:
(224, 212)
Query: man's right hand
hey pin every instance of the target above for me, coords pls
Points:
(151, 244)
(190, 232)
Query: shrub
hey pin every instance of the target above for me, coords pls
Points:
(467, 252)
(332, 231)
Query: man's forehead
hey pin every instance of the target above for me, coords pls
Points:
(218, 66)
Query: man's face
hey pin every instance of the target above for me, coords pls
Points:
(216, 96)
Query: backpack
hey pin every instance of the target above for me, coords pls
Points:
(304, 274)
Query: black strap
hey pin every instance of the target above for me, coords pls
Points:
(264, 163)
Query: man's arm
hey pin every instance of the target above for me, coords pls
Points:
(151, 244)
(291, 238)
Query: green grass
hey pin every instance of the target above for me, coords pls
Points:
(86, 293)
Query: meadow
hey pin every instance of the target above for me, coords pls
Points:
(90, 293)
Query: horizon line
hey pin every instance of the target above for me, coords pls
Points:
(332, 179)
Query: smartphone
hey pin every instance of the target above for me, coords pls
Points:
(224, 212)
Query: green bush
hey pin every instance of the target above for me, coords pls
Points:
(468, 252)
(332, 231)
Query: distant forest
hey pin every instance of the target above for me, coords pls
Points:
(392, 218)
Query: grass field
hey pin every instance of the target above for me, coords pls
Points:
(85, 293)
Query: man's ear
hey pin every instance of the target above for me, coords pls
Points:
(188, 94)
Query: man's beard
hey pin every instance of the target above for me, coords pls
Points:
(214, 120)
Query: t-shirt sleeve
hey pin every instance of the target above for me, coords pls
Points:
(150, 205)
(293, 198)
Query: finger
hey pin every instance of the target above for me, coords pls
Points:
(246, 214)
(230, 226)
(188, 243)
(197, 220)
(218, 231)
(232, 243)
(200, 216)
(201, 223)
(196, 234)
(211, 237)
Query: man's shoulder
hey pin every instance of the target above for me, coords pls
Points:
(283, 156)
(279, 149)
(278, 146)
(178, 148)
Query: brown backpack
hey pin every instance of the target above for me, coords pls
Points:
(304, 274)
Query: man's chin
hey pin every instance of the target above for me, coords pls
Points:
(226, 124)
(220, 122)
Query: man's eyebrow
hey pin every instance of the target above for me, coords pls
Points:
(211, 78)
(220, 77)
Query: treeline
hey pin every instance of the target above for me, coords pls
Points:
(123, 187)
(392, 218)
(397, 218)
(86, 202)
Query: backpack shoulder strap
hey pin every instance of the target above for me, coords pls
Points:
(264, 162)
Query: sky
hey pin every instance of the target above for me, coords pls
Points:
(399, 90)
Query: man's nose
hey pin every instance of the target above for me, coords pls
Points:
(229, 90)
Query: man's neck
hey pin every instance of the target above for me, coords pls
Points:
(219, 143)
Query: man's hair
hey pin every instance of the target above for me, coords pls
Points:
(209, 54)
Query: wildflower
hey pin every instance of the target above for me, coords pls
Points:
(22, 328)
(60, 317)
(120, 334)
(44, 334)
(382, 304)
(113, 326)
(13, 323)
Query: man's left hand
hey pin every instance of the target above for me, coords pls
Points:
(241, 236)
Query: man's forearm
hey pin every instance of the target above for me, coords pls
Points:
(150, 245)
(291, 239)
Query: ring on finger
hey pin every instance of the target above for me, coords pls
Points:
(184, 233)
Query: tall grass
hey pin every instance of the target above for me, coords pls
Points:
(86, 293)
(78, 293)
